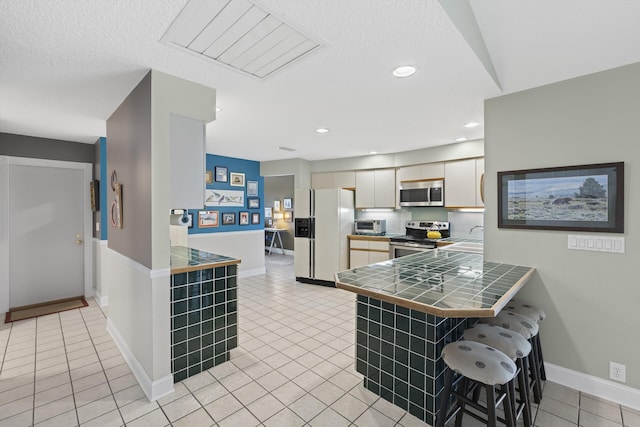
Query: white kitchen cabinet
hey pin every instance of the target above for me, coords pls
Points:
(343, 179)
(322, 180)
(365, 252)
(462, 179)
(376, 188)
(187, 165)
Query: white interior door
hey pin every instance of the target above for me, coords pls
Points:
(46, 232)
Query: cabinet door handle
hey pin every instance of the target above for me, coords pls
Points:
(482, 188)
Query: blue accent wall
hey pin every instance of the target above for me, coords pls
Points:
(251, 171)
(104, 225)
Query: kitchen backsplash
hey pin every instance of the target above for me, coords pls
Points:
(462, 224)
(395, 219)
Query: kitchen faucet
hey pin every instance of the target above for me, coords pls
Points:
(481, 227)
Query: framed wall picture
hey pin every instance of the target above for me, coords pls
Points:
(287, 204)
(208, 219)
(253, 203)
(221, 174)
(571, 198)
(228, 218)
(288, 216)
(224, 198)
(268, 212)
(255, 218)
(208, 177)
(244, 218)
(252, 188)
(94, 189)
(276, 205)
(237, 179)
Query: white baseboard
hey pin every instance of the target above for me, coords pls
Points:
(102, 301)
(252, 272)
(604, 389)
(152, 389)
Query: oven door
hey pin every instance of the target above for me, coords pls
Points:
(396, 250)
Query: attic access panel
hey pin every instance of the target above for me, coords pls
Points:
(240, 35)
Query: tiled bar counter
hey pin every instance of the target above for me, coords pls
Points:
(204, 310)
(409, 308)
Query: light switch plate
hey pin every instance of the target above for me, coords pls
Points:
(596, 243)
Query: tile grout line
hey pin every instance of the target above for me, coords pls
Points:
(101, 367)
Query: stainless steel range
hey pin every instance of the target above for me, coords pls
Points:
(415, 240)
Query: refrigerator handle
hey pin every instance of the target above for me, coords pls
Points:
(312, 257)
(312, 228)
(312, 203)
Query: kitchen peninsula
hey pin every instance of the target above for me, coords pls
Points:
(204, 310)
(409, 308)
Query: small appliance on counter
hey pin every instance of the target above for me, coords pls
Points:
(370, 227)
(416, 238)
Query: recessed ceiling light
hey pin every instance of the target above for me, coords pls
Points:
(373, 152)
(404, 71)
(471, 124)
(461, 139)
(322, 130)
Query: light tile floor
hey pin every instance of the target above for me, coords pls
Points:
(294, 367)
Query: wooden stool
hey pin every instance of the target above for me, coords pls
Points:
(474, 365)
(528, 328)
(517, 348)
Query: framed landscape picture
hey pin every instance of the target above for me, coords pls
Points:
(208, 219)
(253, 203)
(574, 198)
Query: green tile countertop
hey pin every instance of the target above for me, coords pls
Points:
(184, 259)
(439, 282)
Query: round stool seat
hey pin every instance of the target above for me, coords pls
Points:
(479, 362)
(515, 322)
(526, 309)
(510, 343)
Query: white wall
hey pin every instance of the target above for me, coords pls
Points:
(101, 289)
(245, 245)
(138, 320)
(591, 298)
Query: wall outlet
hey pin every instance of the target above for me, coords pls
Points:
(617, 372)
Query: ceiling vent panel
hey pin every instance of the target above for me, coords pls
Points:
(239, 34)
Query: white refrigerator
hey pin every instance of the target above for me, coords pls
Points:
(323, 219)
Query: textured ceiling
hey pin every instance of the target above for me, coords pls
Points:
(65, 65)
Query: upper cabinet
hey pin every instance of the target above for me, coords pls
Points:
(463, 182)
(345, 179)
(187, 145)
(376, 188)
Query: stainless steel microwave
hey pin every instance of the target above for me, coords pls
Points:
(422, 193)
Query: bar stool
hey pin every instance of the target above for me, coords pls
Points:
(534, 312)
(528, 328)
(470, 365)
(517, 348)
